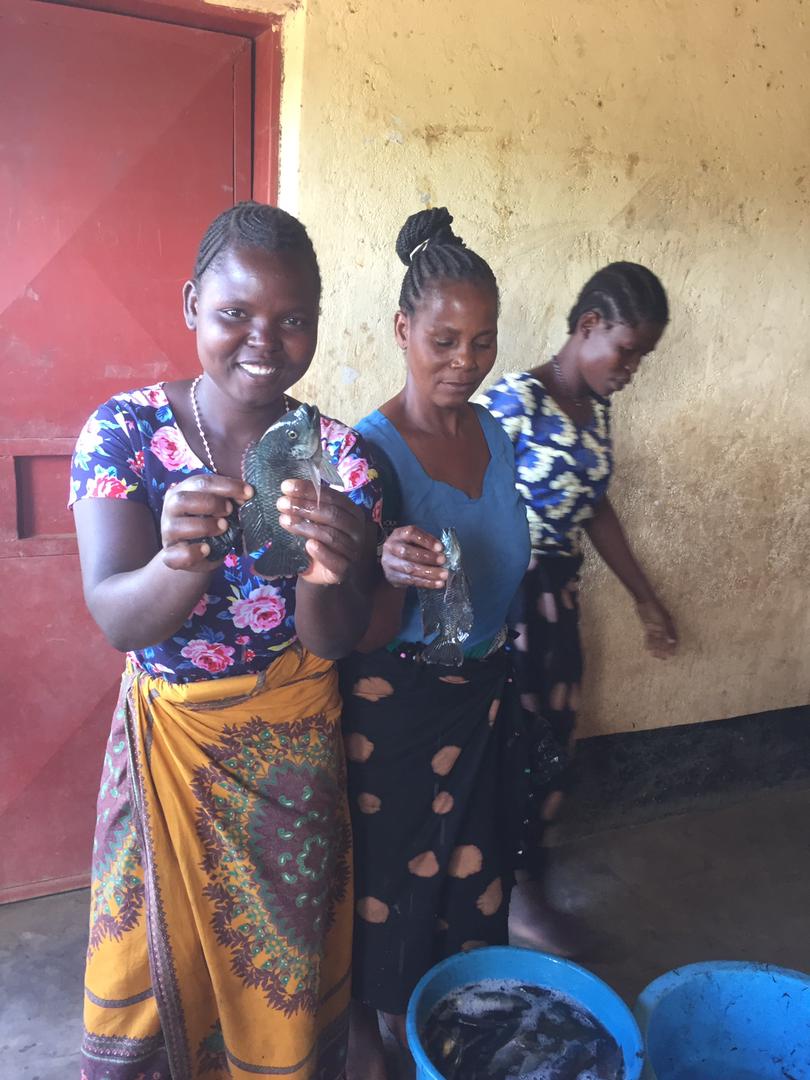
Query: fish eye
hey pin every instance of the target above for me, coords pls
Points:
(292, 435)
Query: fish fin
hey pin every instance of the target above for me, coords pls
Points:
(221, 544)
(281, 560)
(249, 459)
(314, 474)
(329, 473)
(445, 652)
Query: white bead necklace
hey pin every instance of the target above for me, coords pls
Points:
(201, 431)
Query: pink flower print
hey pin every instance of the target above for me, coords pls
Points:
(106, 485)
(332, 431)
(90, 438)
(149, 395)
(243, 639)
(208, 655)
(354, 472)
(201, 606)
(263, 609)
(171, 450)
(155, 395)
(231, 559)
(249, 655)
(137, 463)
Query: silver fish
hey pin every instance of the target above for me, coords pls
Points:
(447, 612)
(290, 449)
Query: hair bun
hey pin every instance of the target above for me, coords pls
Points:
(426, 225)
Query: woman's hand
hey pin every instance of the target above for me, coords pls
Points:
(193, 509)
(335, 529)
(660, 636)
(412, 556)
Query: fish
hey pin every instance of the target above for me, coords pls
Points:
(447, 612)
(290, 449)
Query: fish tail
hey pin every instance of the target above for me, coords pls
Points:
(444, 651)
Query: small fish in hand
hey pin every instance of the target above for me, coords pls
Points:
(290, 449)
(447, 612)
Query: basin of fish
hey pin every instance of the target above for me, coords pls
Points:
(504, 1029)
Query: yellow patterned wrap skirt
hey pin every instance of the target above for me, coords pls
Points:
(220, 928)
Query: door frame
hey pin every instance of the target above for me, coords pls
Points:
(264, 33)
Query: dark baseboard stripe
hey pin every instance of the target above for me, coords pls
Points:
(630, 777)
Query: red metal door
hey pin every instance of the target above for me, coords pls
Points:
(120, 139)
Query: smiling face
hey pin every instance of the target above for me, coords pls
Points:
(609, 354)
(450, 340)
(255, 314)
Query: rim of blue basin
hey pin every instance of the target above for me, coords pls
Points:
(656, 991)
(505, 953)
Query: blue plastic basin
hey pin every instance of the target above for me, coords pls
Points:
(727, 1020)
(529, 966)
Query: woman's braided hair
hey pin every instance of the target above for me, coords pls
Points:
(622, 292)
(253, 224)
(432, 252)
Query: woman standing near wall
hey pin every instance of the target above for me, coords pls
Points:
(221, 914)
(432, 869)
(557, 416)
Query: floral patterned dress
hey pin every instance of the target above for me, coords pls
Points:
(132, 448)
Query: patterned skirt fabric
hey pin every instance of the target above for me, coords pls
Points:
(220, 928)
(433, 871)
(548, 663)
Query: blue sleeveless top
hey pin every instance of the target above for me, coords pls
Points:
(492, 529)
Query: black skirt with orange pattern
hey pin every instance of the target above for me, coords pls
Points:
(437, 791)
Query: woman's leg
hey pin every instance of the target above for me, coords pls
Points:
(366, 1059)
(395, 1022)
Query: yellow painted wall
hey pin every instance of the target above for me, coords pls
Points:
(564, 134)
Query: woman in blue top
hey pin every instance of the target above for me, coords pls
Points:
(432, 872)
(557, 416)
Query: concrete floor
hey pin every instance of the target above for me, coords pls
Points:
(732, 883)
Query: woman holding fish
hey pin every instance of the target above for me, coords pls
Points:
(428, 695)
(558, 417)
(221, 901)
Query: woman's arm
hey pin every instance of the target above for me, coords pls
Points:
(607, 536)
(385, 618)
(136, 589)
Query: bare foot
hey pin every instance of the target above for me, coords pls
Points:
(366, 1057)
(535, 924)
(395, 1022)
